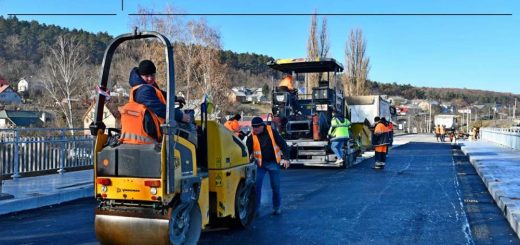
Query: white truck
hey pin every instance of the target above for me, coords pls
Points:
(449, 121)
(362, 110)
(367, 107)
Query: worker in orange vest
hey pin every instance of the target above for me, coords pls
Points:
(267, 148)
(233, 126)
(438, 132)
(287, 83)
(142, 116)
(442, 132)
(380, 140)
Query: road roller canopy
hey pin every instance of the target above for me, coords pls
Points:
(306, 65)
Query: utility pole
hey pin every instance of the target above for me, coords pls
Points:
(514, 111)
(467, 120)
(430, 118)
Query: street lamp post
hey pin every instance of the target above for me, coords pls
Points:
(430, 118)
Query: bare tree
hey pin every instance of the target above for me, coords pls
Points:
(323, 44)
(357, 64)
(65, 74)
(197, 56)
(311, 80)
(317, 47)
(209, 75)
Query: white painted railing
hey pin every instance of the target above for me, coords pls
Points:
(40, 150)
(509, 137)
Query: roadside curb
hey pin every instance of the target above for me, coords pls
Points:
(46, 199)
(494, 172)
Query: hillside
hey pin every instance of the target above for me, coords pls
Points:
(23, 46)
(459, 96)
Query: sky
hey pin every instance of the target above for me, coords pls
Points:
(457, 51)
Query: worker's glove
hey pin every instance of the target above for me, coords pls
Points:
(180, 100)
(285, 163)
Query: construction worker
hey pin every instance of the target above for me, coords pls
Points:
(338, 134)
(391, 132)
(267, 147)
(287, 83)
(380, 141)
(142, 116)
(233, 126)
(438, 132)
(442, 132)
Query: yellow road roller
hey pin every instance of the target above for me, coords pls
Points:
(168, 192)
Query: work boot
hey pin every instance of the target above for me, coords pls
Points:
(277, 211)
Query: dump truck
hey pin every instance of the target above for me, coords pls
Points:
(362, 111)
(303, 119)
(168, 192)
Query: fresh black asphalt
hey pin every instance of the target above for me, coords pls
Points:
(423, 196)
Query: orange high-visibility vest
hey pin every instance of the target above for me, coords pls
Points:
(257, 151)
(233, 126)
(287, 82)
(381, 128)
(132, 120)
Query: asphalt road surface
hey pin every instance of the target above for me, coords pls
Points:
(423, 196)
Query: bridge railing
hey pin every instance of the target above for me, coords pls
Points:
(509, 137)
(34, 151)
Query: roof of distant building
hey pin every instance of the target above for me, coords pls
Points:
(21, 118)
(3, 81)
(3, 88)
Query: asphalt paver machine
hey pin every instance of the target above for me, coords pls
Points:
(167, 193)
(304, 119)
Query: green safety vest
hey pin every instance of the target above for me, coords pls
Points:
(339, 129)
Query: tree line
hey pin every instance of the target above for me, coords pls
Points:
(202, 67)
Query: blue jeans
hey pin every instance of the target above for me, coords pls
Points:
(274, 176)
(337, 147)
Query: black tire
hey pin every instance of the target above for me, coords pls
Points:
(351, 159)
(245, 201)
(344, 164)
(185, 224)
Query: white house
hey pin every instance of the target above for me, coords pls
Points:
(23, 85)
(111, 116)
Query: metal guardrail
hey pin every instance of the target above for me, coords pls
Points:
(33, 150)
(509, 137)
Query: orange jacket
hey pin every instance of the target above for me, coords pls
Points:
(257, 151)
(381, 128)
(233, 126)
(132, 120)
(287, 82)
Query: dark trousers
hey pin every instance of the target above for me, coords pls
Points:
(380, 156)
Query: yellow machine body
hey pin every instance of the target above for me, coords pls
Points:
(227, 159)
(226, 162)
(166, 193)
(362, 135)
